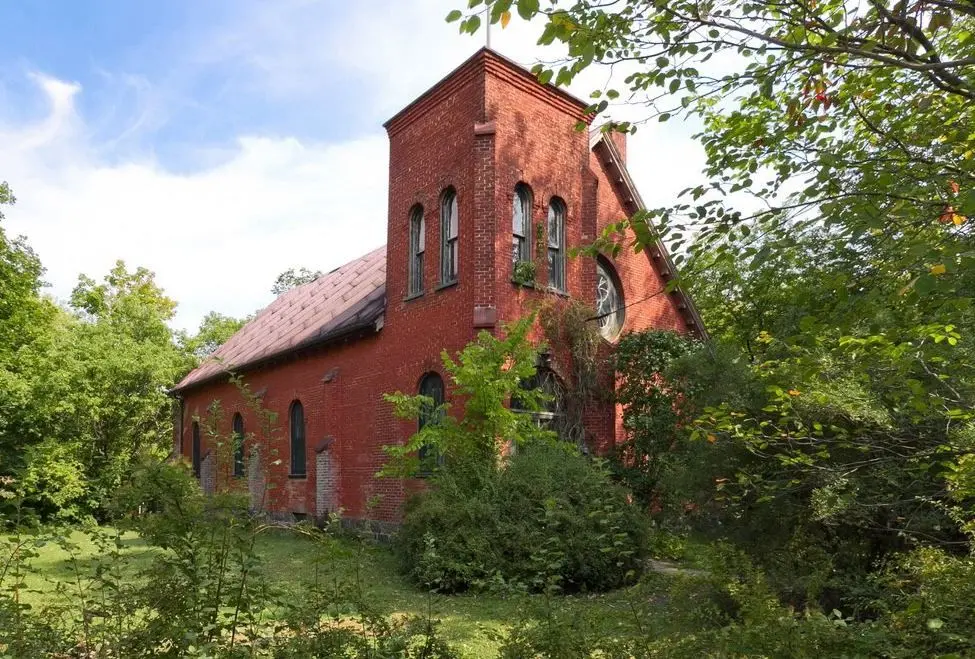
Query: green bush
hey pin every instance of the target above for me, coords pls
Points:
(204, 593)
(550, 519)
(727, 612)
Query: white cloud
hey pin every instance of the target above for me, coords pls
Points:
(218, 236)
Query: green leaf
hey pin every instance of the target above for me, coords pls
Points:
(527, 8)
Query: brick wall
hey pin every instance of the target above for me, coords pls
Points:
(482, 130)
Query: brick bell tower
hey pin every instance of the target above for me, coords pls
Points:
(457, 154)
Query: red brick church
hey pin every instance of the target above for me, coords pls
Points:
(486, 172)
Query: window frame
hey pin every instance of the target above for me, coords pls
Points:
(297, 433)
(551, 415)
(417, 226)
(521, 243)
(429, 416)
(557, 212)
(449, 237)
(237, 428)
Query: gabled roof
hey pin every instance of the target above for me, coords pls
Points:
(604, 147)
(348, 299)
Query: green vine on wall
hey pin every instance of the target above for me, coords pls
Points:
(568, 323)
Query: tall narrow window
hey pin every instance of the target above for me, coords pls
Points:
(238, 428)
(556, 244)
(196, 449)
(448, 236)
(297, 440)
(417, 242)
(432, 386)
(521, 222)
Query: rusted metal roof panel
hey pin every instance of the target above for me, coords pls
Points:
(349, 298)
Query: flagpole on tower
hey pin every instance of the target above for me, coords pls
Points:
(487, 24)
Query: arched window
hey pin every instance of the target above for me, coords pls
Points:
(297, 440)
(417, 243)
(238, 429)
(556, 244)
(196, 449)
(431, 386)
(521, 223)
(610, 306)
(449, 229)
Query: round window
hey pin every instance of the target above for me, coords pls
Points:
(610, 309)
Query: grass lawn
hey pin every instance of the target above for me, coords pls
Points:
(469, 622)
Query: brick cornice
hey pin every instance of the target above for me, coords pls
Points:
(482, 62)
(514, 75)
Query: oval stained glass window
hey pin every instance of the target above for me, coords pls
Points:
(610, 308)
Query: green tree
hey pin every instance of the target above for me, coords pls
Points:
(851, 287)
(127, 359)
(829, 239)
(292, 278)
(803, 107)
(215, 329)
(487, 375)
(29, 326)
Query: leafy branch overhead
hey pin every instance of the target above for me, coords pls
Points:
(853, 116)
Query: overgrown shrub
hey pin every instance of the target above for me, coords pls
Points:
(203, 592)
(551, 518)
(727, 612)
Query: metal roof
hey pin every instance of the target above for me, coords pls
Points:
(349, 298)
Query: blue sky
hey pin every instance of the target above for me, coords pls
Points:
(219, 142)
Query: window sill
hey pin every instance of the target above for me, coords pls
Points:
(557, 291)
(446, 285)
(298, 476)
(523, 284)
(414, 296)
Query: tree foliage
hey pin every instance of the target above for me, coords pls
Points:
(829, 245)
(292, 278)
(83, 387)
(487, 374)
(853, 117)
(509, 505)
(215, 329)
